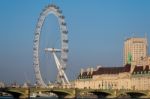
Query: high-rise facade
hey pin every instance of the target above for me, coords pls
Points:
(135, 50)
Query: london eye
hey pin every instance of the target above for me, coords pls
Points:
(61, 61)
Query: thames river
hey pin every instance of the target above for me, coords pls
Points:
(56, 98)
(30, 98)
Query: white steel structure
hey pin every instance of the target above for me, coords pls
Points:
(61, 62)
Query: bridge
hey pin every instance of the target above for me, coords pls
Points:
(18, 93)
(114, 93)
(74, 92)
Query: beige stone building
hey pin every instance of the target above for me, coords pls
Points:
(141, 78)
(115, 78)
(2, 85)
(134, 75)
(136, 49)
(149, 60)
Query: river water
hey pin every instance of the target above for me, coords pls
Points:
(30, 98)
(54, 98)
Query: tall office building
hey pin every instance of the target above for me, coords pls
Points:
(135, 50)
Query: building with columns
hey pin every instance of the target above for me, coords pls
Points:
(115, 78)
(134, 75)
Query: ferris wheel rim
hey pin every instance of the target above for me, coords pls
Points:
(50, 9)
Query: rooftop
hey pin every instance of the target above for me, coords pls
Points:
(106, 70)
(113, 70)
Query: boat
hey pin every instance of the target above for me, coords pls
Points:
(33, 95)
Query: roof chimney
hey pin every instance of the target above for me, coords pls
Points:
(81, 71)
(91, 70)
(99, 66)
(88, 71)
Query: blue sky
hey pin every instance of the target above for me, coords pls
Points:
(97, 30)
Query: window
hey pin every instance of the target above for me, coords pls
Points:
(99, 85)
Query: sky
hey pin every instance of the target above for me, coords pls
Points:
(97, 30)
